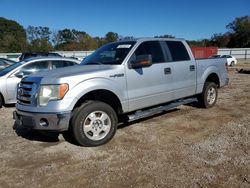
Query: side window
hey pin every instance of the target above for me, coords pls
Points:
(34, 67)
(178, 51)
(70, 63)
(151, 48)
(61, 64)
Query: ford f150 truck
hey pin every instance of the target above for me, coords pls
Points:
(125, 79)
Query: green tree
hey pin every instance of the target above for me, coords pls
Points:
(239, 32)
(39, 39)
(88, 43)
(100, 41)
(12, 36)
(66, 36)
(200, 43)
(220, 40)
(68, 39)
(111, 37)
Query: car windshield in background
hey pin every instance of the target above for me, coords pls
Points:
(110, 54)
(9, 68)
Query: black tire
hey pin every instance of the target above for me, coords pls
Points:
(1, 101)
(208, 97)
(96, 130)
(232, 64)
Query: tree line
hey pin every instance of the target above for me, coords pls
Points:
(15, 38)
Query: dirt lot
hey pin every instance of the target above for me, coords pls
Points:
(187, 147)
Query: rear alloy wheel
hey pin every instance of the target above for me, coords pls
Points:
(94, 124)
(209, 95)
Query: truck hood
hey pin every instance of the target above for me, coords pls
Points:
(72, 71)
(79, 72)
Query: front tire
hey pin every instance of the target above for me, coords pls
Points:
(232, 64)
(209, 95)
(93, 124)
(1, 101)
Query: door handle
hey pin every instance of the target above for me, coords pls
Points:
(191, 67)
(167, 70)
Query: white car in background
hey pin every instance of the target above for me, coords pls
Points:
(231, 60)
(12, 75)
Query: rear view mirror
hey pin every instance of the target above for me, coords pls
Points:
(141, 61)
(19, 74)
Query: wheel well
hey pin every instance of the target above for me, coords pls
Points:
(213, 78)
(103, 96)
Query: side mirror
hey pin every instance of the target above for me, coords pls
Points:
(19, 74)
(141, 61)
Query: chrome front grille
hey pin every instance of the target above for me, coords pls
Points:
(26, 91)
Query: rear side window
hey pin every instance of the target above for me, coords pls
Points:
(35, 67)
(60, 64)
(178, 51)
(151, 48)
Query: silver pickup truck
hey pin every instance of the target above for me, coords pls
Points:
(125, 80)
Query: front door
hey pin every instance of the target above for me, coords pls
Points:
(152, 85)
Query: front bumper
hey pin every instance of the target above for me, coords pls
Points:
(42, 121)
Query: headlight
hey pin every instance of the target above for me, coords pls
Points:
(52, 92)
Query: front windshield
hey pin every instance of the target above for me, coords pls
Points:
(111, 54)
(9, 68)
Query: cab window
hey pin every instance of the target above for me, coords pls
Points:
(178, 51)
(152, 48)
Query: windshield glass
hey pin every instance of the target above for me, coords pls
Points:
(111, 54)
(9, 68)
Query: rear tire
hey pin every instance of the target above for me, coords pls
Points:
(93, 124)
(232, 64)
(208, 97)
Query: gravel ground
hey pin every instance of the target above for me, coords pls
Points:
(186, 147)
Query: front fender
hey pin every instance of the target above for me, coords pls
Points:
(81, 89)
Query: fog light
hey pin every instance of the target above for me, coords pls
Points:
(44, 122)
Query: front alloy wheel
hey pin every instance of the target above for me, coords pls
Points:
(97, 125)
(93, 124)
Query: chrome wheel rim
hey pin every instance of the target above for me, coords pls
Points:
(97, 125)
(211, 95)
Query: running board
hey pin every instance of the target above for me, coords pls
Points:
(152, 111)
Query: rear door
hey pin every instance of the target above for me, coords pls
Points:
(183, 69)
(152, 85)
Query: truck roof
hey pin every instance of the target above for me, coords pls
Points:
(153, 39)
